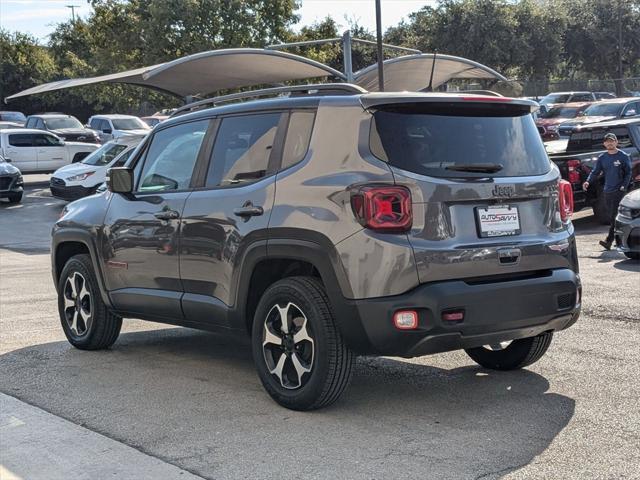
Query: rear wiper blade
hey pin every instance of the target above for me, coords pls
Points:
(476, 167)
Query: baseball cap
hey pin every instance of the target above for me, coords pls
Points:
(610, 136)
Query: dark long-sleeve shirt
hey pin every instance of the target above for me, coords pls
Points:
(616, 168)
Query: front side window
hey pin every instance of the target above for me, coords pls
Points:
(21, 140)
(31, 123)
(582, 97)
(242, 149)
(171, 157)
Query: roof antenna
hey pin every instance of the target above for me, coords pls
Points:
(433, 67)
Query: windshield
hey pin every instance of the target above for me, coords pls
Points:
(58, 123)
(604, 109)
(436, 143)
(104, 155)
(129, 124)
(561, 112)
(13, 117)
(555, 98)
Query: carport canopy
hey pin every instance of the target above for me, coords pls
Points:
(207, 72)
(413, 72)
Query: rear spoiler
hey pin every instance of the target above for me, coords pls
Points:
(373, 101)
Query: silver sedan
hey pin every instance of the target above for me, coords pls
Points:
(628, 225)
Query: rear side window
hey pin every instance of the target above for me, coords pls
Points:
(242, 149)
(298, 137)
(171, 157)
(441, 139)
(21, 140)
(31, 123)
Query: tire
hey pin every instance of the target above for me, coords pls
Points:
(323, 369)
(600, 210)
(633, 255)
(87, 323)
(519, 353)
(15, 197)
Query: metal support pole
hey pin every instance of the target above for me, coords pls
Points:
(346, 52)
(379, 40)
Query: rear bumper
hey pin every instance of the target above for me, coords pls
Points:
(494, 311)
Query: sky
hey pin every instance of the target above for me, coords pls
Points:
(39, 17)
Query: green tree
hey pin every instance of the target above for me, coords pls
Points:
(23, 64)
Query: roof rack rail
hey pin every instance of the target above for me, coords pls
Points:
(318, 88)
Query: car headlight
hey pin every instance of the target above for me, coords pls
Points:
(80, 177)
(628, 212)
(19, 179)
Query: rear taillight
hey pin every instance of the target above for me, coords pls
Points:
(573, 167)
(565, 200)
(383, 208)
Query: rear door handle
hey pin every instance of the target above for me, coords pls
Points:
(248, 211)
(167, 215)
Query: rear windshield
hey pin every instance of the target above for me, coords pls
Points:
(556, 98)
(561, 112)
(604, 109)
(129, 124)
(104, 155)
(58, 123)
(437, 138)
(13, 117)
(593, 139)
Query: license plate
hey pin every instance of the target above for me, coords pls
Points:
(498, 221)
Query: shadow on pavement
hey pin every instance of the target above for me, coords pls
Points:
(193, 399)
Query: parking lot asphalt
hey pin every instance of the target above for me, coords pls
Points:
(193, 400)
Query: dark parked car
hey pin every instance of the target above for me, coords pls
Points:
(628, 225)
(601, 112)
(331, 223)
(548, 122)
(66, 127)
(11, 183)
(15, 117)
(577, 156)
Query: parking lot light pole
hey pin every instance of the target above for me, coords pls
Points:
(379, 41)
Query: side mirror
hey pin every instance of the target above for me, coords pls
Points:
(630, 113)
(120, 180)
(107, 130)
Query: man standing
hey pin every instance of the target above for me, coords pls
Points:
(616, 166)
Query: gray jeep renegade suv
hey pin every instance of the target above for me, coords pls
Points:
(327, 224)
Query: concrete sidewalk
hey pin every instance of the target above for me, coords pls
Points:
(36, 445)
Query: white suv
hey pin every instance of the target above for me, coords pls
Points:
(36, 151)
(82, 179)
(110, 127)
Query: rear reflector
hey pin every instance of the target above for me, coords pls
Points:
(453, 316)
(405, 319)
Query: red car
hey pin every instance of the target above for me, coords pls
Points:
(548, 122)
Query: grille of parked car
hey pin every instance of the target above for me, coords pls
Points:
(5, 183)
(634, 239)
